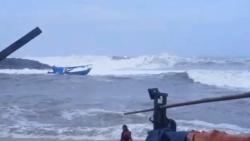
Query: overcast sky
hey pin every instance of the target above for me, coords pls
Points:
(128, 27)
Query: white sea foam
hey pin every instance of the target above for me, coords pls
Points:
(23, 71)
(85, 133)
(145, 61)
(232, 79)
(222, 78)
(103, 64)
(156, 64)
(23, 128)
(71, 114)
(139, 131)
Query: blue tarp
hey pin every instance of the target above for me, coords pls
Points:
(58, 70)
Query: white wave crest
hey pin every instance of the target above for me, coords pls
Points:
(71, 114)
(108, 65)
(139, 131)
(23, 71)
(24, 128)
(233, 79)
(226, 76)
(80, 133)
(102, 64)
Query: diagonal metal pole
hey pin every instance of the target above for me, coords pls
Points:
(194, 102)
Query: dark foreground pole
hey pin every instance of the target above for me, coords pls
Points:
(205, 100)
(19, 43)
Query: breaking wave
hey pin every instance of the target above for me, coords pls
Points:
(232, 79)
(24, 128)
(23, 71)
(221, 72)
(139, 131)
(107, 64)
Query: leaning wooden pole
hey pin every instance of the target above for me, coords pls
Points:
(19, 43)
(194, 102)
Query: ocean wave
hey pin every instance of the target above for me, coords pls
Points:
(144, 62)
(22, 127)
(232, 79)
(139, 131)
(139, 64)
(221, 72)
(23, 71)
(105, 65)
(71, 114)
(80, 133)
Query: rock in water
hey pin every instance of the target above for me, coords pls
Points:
(17, 63)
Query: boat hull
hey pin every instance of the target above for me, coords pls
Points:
(77, 70)
(85, 72)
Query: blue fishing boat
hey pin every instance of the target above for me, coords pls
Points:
(76, 70)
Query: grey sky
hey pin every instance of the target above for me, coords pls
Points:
(131, 27)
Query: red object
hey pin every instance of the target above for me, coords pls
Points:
(216, 136)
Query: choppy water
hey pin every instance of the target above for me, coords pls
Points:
(91, 107)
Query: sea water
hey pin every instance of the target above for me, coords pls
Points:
(34, 104)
